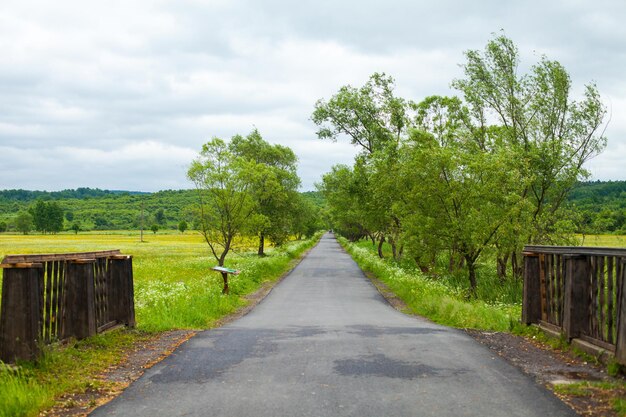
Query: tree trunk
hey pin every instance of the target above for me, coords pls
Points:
(225, 290)
(380, 247)
(471, 269)
(502, 262)
(518, 270)
(373, 238)
(452, 262)
(261, 251)
(393, 248)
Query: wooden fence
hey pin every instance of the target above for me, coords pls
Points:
(53, 297)
(579, 292)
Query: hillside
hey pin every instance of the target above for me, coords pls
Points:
(95, 209)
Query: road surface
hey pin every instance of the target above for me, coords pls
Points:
(325, 343)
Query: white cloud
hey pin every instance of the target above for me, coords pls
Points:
(125, 93)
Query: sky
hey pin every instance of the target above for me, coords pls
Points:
(121, 95)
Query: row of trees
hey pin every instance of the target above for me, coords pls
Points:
(248, 187)
(486, 172)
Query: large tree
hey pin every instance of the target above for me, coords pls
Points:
(47, 216)
(223, 182)
(553, 134)
(273, 186)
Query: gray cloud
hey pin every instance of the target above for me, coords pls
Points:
(122, 95)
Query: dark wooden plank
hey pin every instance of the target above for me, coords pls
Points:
(79, 301)
(531, 304)
(620, 344)
(576, 296)
(574, 250)
(9, 259)
(19, 316)
(542, 287)
(601, 298)
(610, 322)
(47, 302)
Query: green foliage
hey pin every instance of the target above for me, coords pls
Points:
(154, 228)
(433, 299)
(464, 177)
(24, 222)
(47, 216)
(3, 227)
(182, 226)
(273, 186)
(223, 181)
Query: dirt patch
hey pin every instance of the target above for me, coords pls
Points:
(554, 368)
(143, 355)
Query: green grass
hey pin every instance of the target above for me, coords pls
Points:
(174, 289)
(435, 298)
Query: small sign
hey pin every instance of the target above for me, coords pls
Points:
(227, 270)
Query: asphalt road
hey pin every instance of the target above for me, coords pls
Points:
(325, 343)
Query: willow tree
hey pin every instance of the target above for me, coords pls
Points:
(223, 182)
(553, 134)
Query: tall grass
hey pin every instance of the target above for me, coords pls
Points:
(174, 289)
(439, 300)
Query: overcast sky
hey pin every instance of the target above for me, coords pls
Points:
(122, 94)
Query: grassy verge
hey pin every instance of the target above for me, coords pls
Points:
(174, 289)
(432, 298)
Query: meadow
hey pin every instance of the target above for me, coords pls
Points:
(174, 289)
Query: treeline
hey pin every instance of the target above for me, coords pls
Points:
(463, 177)
(106, 210)
(600, 206)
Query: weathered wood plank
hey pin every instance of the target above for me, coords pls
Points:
(531, 304)
(11, 259)
(620, 345)
(79, 301)
(19, 315)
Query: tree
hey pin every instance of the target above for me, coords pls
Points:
(3, 227)
(370, 115)
(24, 222)
(159, 216)
(273, 186)
(182, 226)
(76, 227)
(154, 228)
(69, 216)
(553, 135)
(222, 180)
(375, 120)
(47, 216)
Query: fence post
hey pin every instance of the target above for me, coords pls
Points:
(121, 292)
(576, 295)
(20, 316)
(79, 320)
(620, 345)
(531, 305)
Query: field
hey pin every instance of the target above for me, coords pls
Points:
(174, 289)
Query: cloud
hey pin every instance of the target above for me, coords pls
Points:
(87, 90)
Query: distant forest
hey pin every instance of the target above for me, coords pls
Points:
(94, 209)
(596, 207)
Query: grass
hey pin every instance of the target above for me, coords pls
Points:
(174, 289)
(614, 392)
(435, 298)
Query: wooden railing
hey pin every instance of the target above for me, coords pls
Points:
(579, 292)
(52, 297)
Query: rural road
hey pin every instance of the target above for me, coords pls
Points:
(325, 343)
